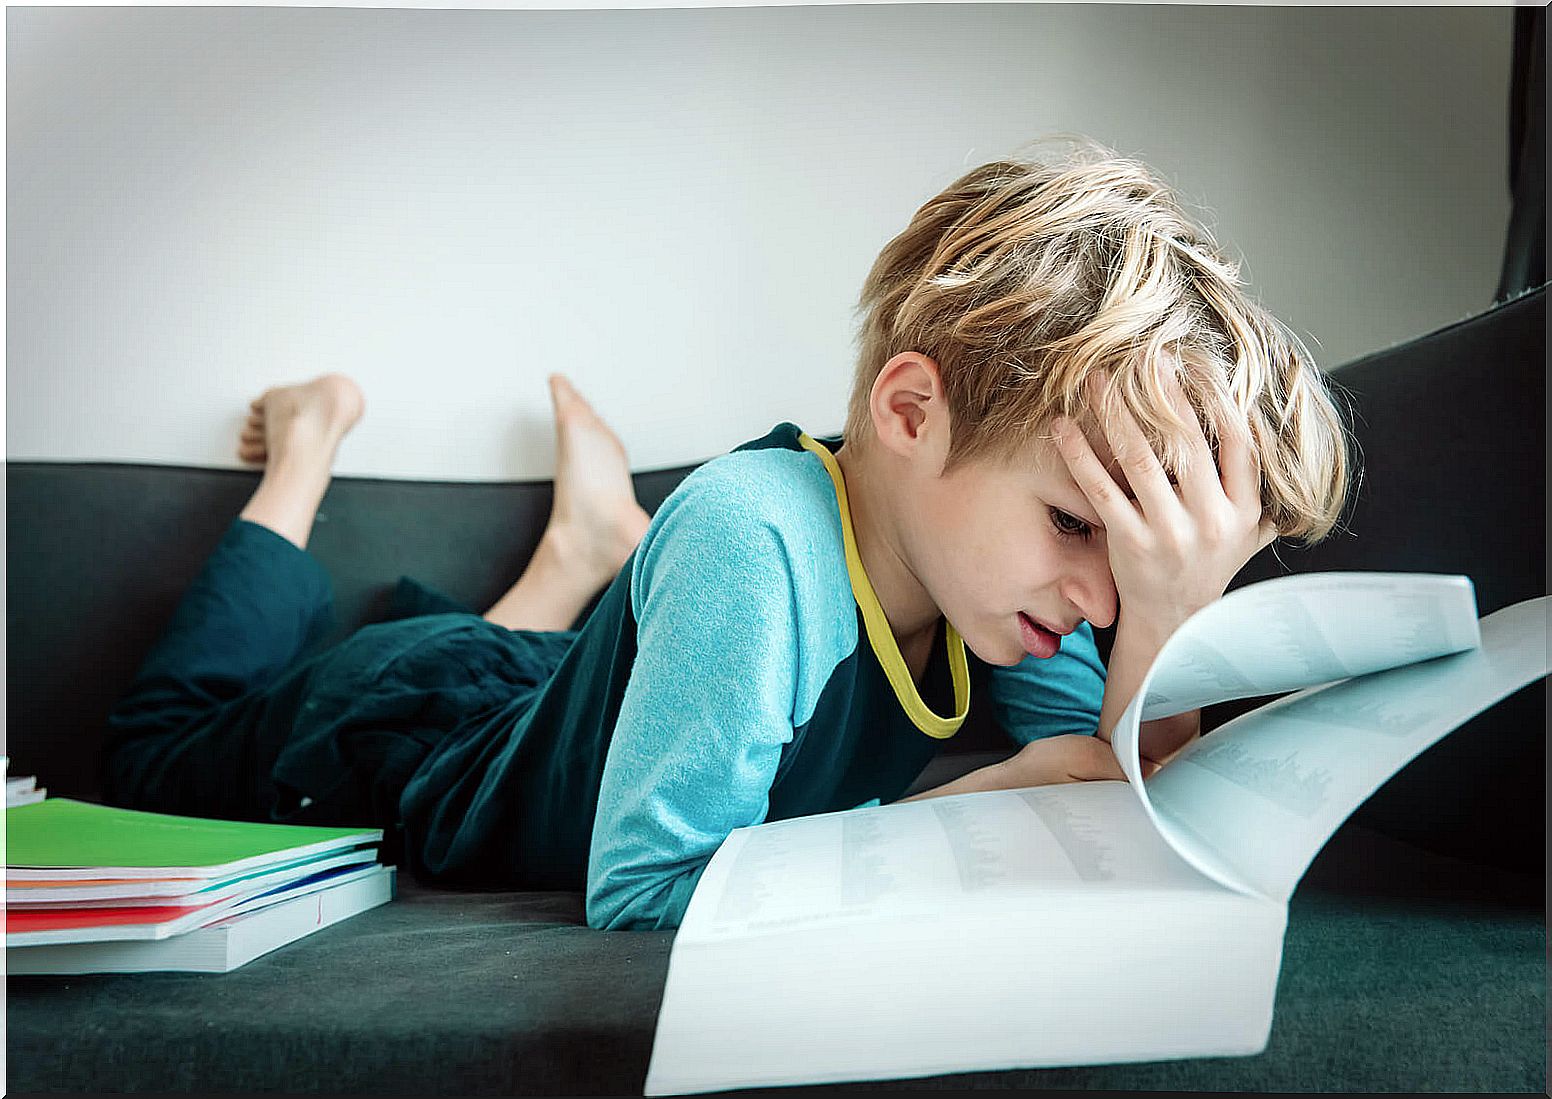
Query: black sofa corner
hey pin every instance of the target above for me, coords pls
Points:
(1415, 951)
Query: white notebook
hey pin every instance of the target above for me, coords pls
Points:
(220, 947)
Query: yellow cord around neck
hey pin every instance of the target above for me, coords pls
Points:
(882, 638)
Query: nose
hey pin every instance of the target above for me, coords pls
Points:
(1091, 588)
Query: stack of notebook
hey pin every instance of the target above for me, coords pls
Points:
(95, 889)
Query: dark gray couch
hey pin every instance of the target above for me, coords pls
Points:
(1415, 952)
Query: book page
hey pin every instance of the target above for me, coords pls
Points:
(930, 858)
(976, 932)
(1265, 792)
(1299, 631)
(1285, 634)
(1090, 976)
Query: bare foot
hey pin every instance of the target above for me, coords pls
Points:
(595, 516)
(295, 430)
(301, 424)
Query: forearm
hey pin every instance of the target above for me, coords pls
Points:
(1130, 658)
(992, 777)
(1162, 737)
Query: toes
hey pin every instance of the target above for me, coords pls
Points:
(560, 392)
(566, 395)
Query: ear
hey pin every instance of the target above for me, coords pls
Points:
(910, 413)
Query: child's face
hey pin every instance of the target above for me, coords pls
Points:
(991, 540)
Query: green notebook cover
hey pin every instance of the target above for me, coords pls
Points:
(62, 832)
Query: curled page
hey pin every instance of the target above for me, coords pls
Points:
(1263, 793)
(1251, 808)
(1298, 631)
(1282, 635)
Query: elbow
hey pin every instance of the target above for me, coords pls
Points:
(602, 918)
(630, 899)
(617, 909)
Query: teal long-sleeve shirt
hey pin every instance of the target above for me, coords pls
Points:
(737, 670)
(748, 628)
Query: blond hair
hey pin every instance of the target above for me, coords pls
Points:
(1028, 274)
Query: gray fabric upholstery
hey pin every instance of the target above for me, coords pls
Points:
(1402, 970)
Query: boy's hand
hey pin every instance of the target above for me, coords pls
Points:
(1071, 757)
(1175, 549)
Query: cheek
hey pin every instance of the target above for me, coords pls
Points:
(1049, 558)
(1019, 560)
(1041, 547)
(1045, 559)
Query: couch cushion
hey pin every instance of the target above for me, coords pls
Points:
(1402, 970)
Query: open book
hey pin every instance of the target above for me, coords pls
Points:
(1090, 922)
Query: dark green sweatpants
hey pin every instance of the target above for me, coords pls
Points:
(228, 718)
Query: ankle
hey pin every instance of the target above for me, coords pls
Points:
(551, 592)
(560, 553)
(571, 551)
(287, 501)
(305, 452)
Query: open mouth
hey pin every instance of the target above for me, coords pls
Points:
(1039, 625)
(1038, 641)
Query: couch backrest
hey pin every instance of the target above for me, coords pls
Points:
(98, 555)
(1451, 425)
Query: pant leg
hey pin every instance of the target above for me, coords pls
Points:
(196, 731)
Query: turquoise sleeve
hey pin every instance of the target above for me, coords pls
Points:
(706, 711)
(1038, 698)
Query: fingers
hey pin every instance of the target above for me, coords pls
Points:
(1116, 512)
(1149, 482)
(1204, 483)
(1241, 466)
(1242, 478)
(1069, 757)
(1200, 486)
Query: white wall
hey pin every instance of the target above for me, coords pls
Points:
(674, 206)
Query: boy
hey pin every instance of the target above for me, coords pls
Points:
(1064, 413)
